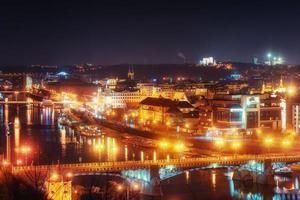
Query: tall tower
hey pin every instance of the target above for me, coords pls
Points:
(130, 73)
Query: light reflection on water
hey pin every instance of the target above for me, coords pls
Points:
(52, 143)
(217, 184)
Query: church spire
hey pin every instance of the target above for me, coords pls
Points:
(130, 73)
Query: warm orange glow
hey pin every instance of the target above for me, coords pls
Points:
(164, 144)
(120, 188)
(291, 90)
(286, 143)
(5, 163)
(258, 131)
(220, 143)
(179, 146)
(268, 141)
(19, 162)
(136, 186)
(236, 145)
(187, 125)
(168, 123)
(69, 175)
(99, 146)
(54, 177)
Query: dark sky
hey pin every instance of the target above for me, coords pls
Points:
(112, 32)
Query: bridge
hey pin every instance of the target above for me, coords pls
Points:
(119, 166)
(150, 172)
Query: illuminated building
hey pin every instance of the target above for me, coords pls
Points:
(130, 74)
(273, 60)
(247, 111)
(169, 112)
(122, 99)
(296, 117)
(228, 87)
(208, 61)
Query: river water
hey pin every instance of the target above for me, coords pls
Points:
(50, 142)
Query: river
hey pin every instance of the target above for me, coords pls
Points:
(50, 142)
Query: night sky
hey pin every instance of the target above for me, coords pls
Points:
(113, 32)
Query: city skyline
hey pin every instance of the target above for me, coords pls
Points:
(114, 32)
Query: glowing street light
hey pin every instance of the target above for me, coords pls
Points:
(286, 143)
(179, 146)
(220, 143)
(19, 162)
(235, 146)
(168, 124)
(54, 177)
(268, 141)
(164, 144)
(120, 188)
(69, 175)
(5, 163)
(136, 186)
(291, 90)
(258, 131)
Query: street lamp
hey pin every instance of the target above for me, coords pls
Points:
(54, 177)
(220, 143)
(19, 162)
(268, 141)
(286, 143)
(164, 145)
(69, 175)
(291, 90)
(235, 146)
(187, 126)
(120, 188)
(25, 150)
(135, 186)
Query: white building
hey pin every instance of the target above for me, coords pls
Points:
(296, 117)
(208, 61)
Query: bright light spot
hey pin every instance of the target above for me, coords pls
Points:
(120, 188)
(19, 162)
(136, 186)
(268, 141)
(54, 176)
(69, 174)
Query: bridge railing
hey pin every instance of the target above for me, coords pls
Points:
(118, 165)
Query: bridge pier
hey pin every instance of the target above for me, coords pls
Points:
(152, 190)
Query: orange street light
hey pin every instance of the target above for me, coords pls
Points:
(164, 144)
(235, 146)
(286, 143)
(268, 141)
(136, 186)
(291, 90)
(220, 143)
(19, 162)
(179, 146)
(120, 188)
(54, 177)
(5, 163)
(168, 123)
(69, 175)
(258, 131)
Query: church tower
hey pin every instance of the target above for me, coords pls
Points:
(130, 73)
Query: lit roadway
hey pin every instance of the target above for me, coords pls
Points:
(179, 163)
